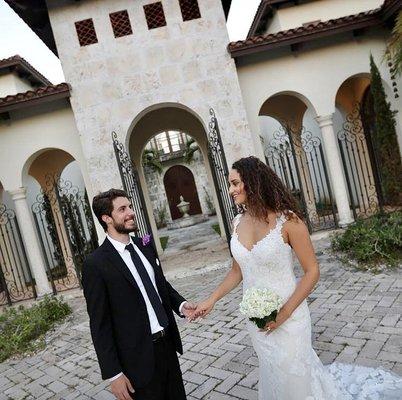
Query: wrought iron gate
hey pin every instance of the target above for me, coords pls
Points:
(220, 174)
(360, 166)
(66, 230)
(131, 185)
(16, 281)
(297, 157)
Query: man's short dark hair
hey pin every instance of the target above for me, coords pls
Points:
(102, 204)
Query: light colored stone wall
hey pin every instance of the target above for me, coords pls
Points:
(114, 80)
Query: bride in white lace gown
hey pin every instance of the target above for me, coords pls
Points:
(261, 245)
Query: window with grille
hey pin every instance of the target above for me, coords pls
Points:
(120, 23)
(189, 9)
(168, 142)
(154, 15)
(86, 32)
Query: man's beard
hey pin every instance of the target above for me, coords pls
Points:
(120, 228)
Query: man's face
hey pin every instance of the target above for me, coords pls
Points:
(122, 218)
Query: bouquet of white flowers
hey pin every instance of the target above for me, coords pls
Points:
(260, 305)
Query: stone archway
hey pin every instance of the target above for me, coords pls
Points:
(179, 181)
(171, 117)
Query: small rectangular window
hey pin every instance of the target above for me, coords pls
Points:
(189, 9)
(154, 15)
(120, 23)
(86, 32)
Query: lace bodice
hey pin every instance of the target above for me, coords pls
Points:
(269, 263)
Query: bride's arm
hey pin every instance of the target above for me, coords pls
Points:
(232, 279)
(297, 235)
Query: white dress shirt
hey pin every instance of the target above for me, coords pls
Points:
(126, 256)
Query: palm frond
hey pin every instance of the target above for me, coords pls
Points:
(393, 52)
(190, 149)
(151, 159)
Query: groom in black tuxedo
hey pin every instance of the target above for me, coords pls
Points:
(130, 307)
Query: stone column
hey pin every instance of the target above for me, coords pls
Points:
(335, 168)
(31, 241)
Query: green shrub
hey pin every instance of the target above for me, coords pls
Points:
(216, 228)
(164, 241)
(373, 241)
(209, 202)
(161, 215)
(22, 329)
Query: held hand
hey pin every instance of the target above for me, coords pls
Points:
(121, 387)
(188, 310)
(282, 316)
(204, 308)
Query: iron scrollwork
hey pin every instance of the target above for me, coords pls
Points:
(220, 173)
(131, 185)
(358, 165)
(296, 155)
(16, 282)
(66, 230)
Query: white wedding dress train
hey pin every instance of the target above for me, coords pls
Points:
(288, 365)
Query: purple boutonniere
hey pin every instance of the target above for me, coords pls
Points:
(146, 240)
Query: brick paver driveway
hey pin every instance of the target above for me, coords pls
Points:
(356, 319)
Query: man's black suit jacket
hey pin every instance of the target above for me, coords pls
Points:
(118, 316)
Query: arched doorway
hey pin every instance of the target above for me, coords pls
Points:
(179, 181)
(292, 147)
(362, 157)
(174, 117)
(62, 216)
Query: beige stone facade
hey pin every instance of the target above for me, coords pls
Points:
(184, 64)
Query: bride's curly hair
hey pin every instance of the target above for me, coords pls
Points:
(265, 191)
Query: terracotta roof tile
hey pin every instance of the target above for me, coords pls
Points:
(51, 92)
(22, 65)
(314, 30)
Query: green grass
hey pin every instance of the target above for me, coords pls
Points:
(164, 241)
(373, 242)
(22, 329)
(216, 228)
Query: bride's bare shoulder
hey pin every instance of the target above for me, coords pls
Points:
(294, 224)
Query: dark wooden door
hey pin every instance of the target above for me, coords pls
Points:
(179, 181)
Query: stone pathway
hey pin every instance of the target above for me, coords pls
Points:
(194, 248)
(356, 319)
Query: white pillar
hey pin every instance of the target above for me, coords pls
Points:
(34, 254)
(335, 168)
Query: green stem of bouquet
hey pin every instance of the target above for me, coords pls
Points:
(261, 322)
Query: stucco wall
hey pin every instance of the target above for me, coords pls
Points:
(289, 17)
(11, 84)
(314, 74)
(29, 133)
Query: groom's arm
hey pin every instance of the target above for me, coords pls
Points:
(176, 299)
(100, 320)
